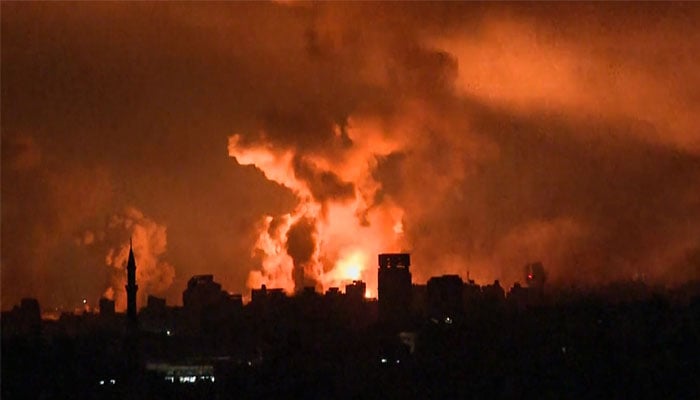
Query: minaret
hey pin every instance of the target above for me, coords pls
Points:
(131, 288)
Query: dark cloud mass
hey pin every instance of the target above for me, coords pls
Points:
(301, 242)
(323, 184)
(506, 133)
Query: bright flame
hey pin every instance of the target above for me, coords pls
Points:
(398, 228)
(341, 233)
(351, 267)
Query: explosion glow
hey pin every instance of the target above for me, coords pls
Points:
(479, 137)
(332, 236)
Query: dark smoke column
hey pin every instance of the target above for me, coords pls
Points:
(131, 288)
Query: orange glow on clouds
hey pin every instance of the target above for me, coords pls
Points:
(153, 273)
(347, 232)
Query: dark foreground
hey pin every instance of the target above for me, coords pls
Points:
(578, 349)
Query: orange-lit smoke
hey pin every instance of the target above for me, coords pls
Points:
(333, 235)
(153, 274)
(480, 137)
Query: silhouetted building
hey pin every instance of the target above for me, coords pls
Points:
(445, 297)
(236, 300)
(518, 296)
(29, 308)
(309, 291)
(258, 295)
(203, 292)
(155, 317)
(356, 290)
(471, 295)
(156, 304)
(419, 300)
(131, 289)
(494, 293)
(24, 319)
(394, 287)
(206, 305)
(106, 307)
(265, 295)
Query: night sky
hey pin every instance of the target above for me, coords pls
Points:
(289, 143)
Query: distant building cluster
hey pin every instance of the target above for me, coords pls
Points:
(214, 345)
(400, 303)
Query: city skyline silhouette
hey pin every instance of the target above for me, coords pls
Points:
(349, 199)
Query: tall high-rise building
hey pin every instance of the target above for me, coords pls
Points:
(131, 288)
(394, 287)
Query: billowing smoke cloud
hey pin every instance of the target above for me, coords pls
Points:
(301, 246)
(478, 136)
(337, 228)
(149, 240)
(502, 141)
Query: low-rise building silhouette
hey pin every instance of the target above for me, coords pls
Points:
(445, 301)
(106, 307)
(265, 295)
(356, 290)
(205, 303)
(24, 319)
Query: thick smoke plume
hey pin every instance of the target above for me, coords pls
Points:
(495, 143)
(478, 136)
(149, 240)
(336, 229)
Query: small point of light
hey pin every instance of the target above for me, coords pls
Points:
(113, 381)
(448, 320)
(250, 363)
(168, 332)
(102, 382)
(384, 360)
(84, 301)
(398, 361)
